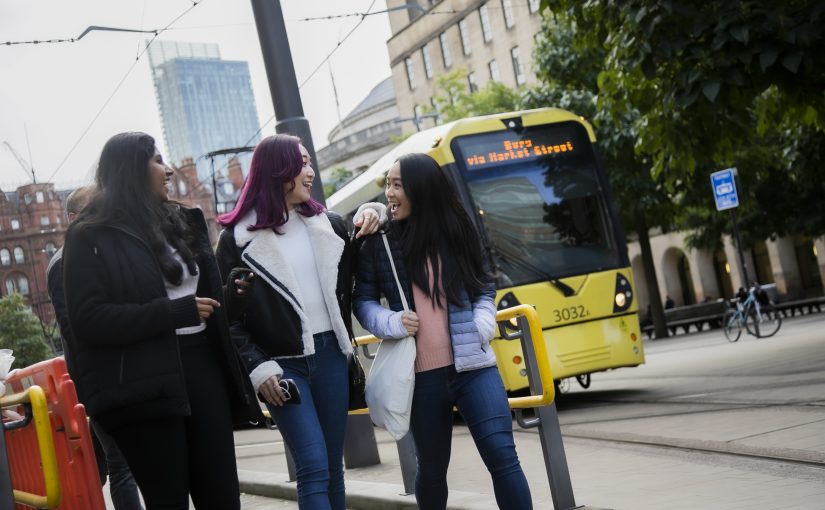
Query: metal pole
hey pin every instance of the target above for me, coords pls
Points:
(743, 269)
(561, 488)
(283, 86)
(214, 184)
(408, 460)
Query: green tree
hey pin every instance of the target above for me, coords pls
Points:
(568, 78)
(454, 100)
(338, 178)
(705, 76)
(20, 331)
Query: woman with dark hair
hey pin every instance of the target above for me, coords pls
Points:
(155, 365)
(437, 253)
(295, 326)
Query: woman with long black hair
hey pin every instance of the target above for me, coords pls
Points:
(438, 257)
(155, 365)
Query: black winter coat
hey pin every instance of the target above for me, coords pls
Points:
(126, 353)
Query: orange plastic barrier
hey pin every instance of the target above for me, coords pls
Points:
(79, 480)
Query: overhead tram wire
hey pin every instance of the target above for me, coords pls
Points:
(309, 77)
(156, 33)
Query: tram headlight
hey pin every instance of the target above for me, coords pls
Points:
(623, 295)
(509, 300)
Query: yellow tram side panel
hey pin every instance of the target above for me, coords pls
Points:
(600, 341)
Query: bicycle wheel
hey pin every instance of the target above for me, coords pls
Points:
(732, 325)
(763, 327)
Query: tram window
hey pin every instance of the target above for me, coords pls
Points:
(545, 214)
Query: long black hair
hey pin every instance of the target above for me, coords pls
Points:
(438, 228)
(123, 196)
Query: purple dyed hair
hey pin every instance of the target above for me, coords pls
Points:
(276, 162)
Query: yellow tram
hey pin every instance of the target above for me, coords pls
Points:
(534, 184)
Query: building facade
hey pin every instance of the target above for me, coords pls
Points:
(206, 104)
(363, 136)
(32, 226)
(491, 39)
(795, 265)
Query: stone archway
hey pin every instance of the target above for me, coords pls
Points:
(721, 268)
(678, 278)
(640, 280)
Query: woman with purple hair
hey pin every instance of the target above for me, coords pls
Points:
(294, 329)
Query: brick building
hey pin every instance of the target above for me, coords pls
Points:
(32, 225)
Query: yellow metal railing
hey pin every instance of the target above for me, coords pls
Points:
(35, 396)
(548, 392)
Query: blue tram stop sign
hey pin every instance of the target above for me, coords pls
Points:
(723, 183)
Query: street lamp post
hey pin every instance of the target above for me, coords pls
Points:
(283, 86)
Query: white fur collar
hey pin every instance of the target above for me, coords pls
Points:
(262, 251)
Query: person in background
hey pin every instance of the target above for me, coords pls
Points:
(122, 486)
(295, 322)
(438, 255)
(155, 364)
(669, 303)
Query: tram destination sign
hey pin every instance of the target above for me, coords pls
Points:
(493, 149)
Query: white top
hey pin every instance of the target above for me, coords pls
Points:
(188, 287)
(300, 255)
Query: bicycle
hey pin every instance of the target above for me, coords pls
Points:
(750, 315)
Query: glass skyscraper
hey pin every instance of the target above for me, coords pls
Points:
(206, 104)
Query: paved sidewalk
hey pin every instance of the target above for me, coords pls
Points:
(663, 447)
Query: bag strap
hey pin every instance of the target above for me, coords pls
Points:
(395, 273)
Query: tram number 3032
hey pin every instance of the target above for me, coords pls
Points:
(570, 313)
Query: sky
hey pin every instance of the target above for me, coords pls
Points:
(55, 92)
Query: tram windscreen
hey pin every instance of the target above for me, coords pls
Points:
(540, 201)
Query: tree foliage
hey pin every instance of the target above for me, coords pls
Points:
(338, 178)
(695, 70)
(568, 79)
(711, 85)
(454, 100)
(20, 331)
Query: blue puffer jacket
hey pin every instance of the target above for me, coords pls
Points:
(472, 324)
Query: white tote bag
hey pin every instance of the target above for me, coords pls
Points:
(391, 381)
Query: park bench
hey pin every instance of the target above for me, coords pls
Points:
(800, 306)
(697, 315)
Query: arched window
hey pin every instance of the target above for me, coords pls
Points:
(11, 286)
(182, 188)
(23, 285)
(5, 257)
(19, 255)
(50, 249)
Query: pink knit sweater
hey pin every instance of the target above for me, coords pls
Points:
(433, 346)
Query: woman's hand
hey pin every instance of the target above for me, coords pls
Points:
(272, 392)
(369, 221)
(410, 322)
(206, 306)
(243, 283)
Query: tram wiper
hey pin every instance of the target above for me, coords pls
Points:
(522, 263)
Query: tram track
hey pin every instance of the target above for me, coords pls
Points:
(798, 457)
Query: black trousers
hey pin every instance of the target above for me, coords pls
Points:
(174, 457)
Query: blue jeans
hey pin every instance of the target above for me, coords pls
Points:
(314, 429)
(482, 402)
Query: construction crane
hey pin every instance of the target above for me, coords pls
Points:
(25, 165)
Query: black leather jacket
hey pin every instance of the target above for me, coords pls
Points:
(265, 324)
